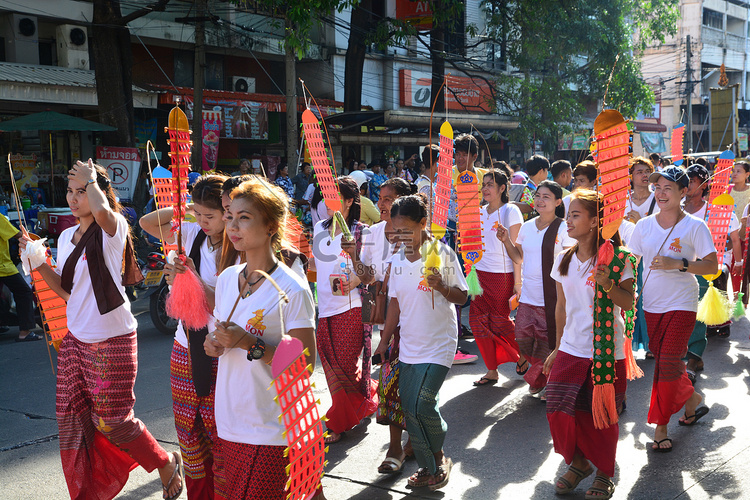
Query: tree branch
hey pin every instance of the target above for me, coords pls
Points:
(159, 6)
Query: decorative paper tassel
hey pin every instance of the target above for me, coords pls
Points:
(606, 253)
(187, 300)
(713, 308)
(603, 405)
(632, 370)
(739, 307)
(472, 280)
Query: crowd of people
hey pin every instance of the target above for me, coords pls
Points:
(549, 305)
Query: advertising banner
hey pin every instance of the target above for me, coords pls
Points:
(211, 132)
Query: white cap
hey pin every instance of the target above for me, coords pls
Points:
(359, 177)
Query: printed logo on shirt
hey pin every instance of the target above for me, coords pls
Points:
(557, 240)
(591, 280)
(344, 255)
(675, 246)
(423, 286)
(255, 324)
(495, 226)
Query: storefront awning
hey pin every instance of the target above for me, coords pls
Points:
(53, 84)
(420, 119)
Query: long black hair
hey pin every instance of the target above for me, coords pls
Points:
(499, 177)
(412, 207)
(349, 191)
(558, 192)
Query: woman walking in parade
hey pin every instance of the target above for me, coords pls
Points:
(539, 241)
(372, 264)
(675, 246)
(428, 336)
(193, 372)
(101, 441)
(341, 335)
(250, 432)
(499, 276)
(571, 398)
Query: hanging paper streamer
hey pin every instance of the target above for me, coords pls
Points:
(299, 412)
(444, 180)
(469, 227)
(720, 181)
(612, 156)
(718, 218)
(179, 154)
(162, 179)
(52, 307)
(678, 132)
(319, 157)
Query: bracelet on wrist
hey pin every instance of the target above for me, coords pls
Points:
(611, 286)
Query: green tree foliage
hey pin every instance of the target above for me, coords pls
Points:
(560, 54)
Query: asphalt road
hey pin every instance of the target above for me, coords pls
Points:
(498, 436)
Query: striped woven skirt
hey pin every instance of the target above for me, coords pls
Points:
(489, 318)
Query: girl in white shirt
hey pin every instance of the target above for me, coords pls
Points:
(372, 263)
(193, 373)
(100, 438)
(675, 246)
(428, 336)
(570, 385)
(534, 338)
(342, 337)
(251, 435)
(489, 313)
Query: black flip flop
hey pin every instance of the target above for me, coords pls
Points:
(699, 413)
(659, 449)
(485, 381)
(31, 337)
(518, 367)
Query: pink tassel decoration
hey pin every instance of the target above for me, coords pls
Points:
(187, 300)
(606, 253)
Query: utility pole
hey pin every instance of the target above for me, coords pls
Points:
(688, 55)
(199, 72)
(292, 130)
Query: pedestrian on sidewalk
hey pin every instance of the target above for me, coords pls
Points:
(251, 436)
(10, 277)
(101, 441)
(428, 336)
(676, 247)
(573, 366)
(539, 241)
(341, 336)
(193, 372)
(500, 278)
(379, 243)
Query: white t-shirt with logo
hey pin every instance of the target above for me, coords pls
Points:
(578, 286)
(244, 408)
(330, 259)
(495, 257)
(208, 270)
(84, 320)
(530, 239)
(642, 209)
(376, 249)
(672, 290)
(427, 335)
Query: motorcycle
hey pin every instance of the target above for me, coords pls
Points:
(157, 290)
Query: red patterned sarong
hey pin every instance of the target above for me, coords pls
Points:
(489, 318)
(340, 340)
(101, 441)
(531, 335)
(195, 424)
(569, 393)
(252, 472)
(668, 335)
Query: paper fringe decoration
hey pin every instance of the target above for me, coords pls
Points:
(718, 218)
(713, 309)
(472, 281)
(179, 153)
(739, 307)
(187, 300)
(299, 412)
(52, 308)
(469, 228)
(444, 180)
(324, 174)
(430, 256)
(720, 181)
(612, 156)
(675, 146)
(164, 199)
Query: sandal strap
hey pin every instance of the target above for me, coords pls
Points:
(578, 472)
(604, 479)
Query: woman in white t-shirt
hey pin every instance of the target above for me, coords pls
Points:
(532, 334)
(100, 438)
(675, 246)
(193, 373)
(573, 365)
(251, 435)
(429, 336)
(372, 264)
(489, 313)
(342, 337)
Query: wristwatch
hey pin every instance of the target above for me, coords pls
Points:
(256, 350)
(684, 265)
